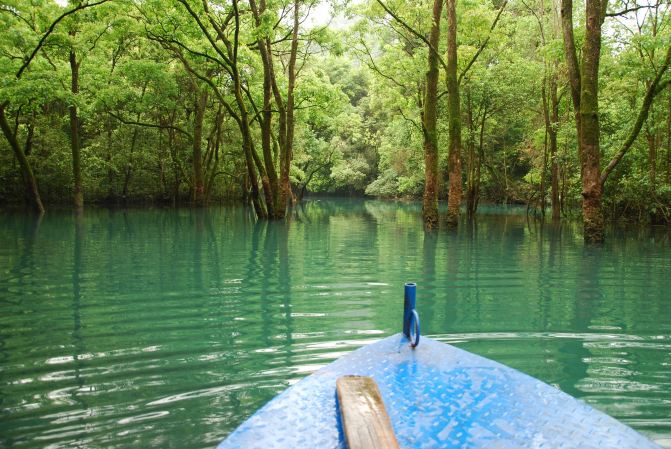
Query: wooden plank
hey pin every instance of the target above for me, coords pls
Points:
(365, 421)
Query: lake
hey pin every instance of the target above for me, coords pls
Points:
(167, 328)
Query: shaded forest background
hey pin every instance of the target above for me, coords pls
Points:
(199, 101)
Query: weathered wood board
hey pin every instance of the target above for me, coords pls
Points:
(365, 421)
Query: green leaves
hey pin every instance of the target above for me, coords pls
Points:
(359, 95)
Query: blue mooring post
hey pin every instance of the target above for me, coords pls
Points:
(408, 305)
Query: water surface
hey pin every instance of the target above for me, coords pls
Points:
(167, 328)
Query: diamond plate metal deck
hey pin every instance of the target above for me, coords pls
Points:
(437, 396)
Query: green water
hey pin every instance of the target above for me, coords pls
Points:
(164, 328)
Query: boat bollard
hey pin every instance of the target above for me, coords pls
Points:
(410, 316)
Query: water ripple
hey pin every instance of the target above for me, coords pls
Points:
(169, 327)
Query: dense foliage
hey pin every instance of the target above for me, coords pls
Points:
(195, 101)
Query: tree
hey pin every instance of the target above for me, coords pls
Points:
(429, 119)
(195, 101)
(454, 118)
(584, 82)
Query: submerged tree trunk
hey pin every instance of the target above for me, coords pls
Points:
(429, 119)
(280, 187)
(454, 117)
(266, 121)
(287, 156)
(251, 157)
(266, 117)
(584, 92)
(75, 140)
(589, 122)
(24, 164)
(589, 119)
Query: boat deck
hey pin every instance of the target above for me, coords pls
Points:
(437, 396)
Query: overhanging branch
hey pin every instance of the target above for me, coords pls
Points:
(484, 44)
(149, 125)
(415, 32)
(51, 30)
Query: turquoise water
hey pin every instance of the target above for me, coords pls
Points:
(167, 328)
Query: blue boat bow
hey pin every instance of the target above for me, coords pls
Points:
(437, 396)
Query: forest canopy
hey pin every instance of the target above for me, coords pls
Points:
(557, 104)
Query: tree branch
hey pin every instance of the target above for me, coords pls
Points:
(163, 39)
(17, 15)
(628, 10)
(377, 70)
(149, 125)
(95, 41)
(572, 65)
(655, 87)
(408, 119)
(413, 31)
(207, 81)
(484, 44)
(51, 30)
(206, 32)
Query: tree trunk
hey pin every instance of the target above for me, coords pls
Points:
(198, 119)
(161, 166)
(282, 187)
(251, 157)
(108, 160)
(129, 166)
(75, 141)
(429, 119)
(589, 122)
(571, 58)
(176, 172)
(470, 160)
(480, 159)
(548, 127)
(505, 175)
(651, 137)
(129, 163)
(24, 163)
(668, 143)
(454, 117)
(552, 134)
(251, 173)
(544, 165)
(287, 156)
(266, 130)
(475, 159)
(218, 122)
(267, 116)
(584, 92)
(28, 146)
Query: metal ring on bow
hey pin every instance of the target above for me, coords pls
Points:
(414, 328)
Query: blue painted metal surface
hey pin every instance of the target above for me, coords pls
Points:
(437, 396)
